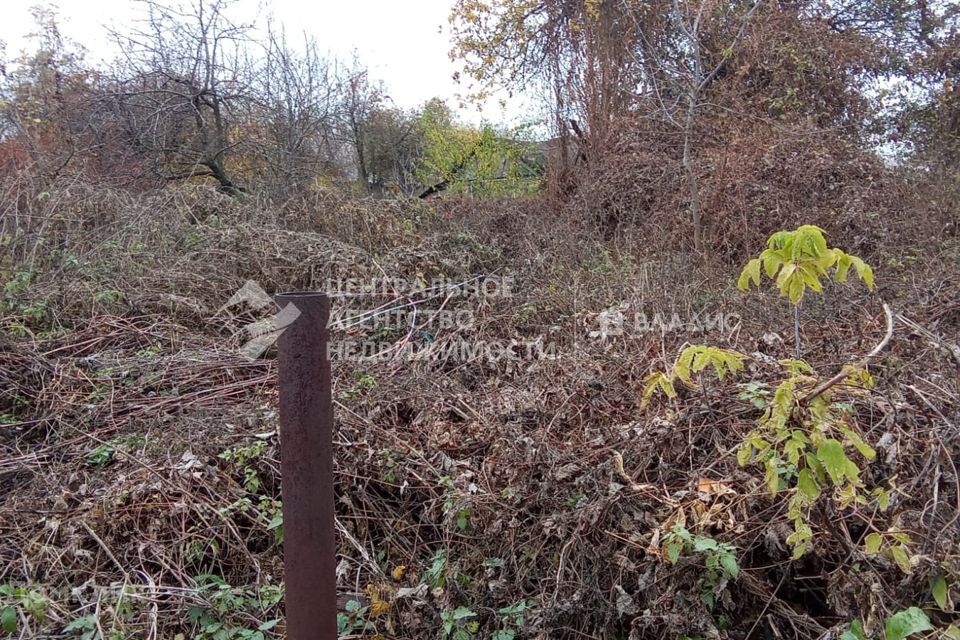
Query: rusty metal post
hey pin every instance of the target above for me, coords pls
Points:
(306, 465)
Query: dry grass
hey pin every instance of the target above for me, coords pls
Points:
(117, 498)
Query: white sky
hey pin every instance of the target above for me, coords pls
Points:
(405, 43)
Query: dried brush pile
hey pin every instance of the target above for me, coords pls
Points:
(518, 493)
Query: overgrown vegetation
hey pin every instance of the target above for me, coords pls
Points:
(632, 439)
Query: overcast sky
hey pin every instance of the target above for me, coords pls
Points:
(403, 42)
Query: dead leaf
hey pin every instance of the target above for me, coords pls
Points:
(713, 487)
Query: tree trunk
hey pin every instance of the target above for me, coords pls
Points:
(690, 174)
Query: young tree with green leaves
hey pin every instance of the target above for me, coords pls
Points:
(798, 260)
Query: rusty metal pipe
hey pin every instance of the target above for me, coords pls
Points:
(306, 465)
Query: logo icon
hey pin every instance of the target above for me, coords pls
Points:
(259, 335)
(609, 322)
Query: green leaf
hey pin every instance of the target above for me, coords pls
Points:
(462, 612)
(843, 266)
(901, 536)
(751, 272)
(667, 385)
(802, 534)
(793, 448)
(865, 450)
(705, 544)
(8, 619)
(811, 276)
(795, 288)
(504, 634)
(745, 454)
(817, 467)
(952, 632)
(654, 381)
(864, 271)
(853, 473)
(733, 359)
(771, 262)
(772, 476)
(517, 608)
(681, 532)
(855, 632)
(807, 485)
(673, 551)
(872, 543)
(80, 624)
(684, 364)
(834, 459)
(827, 260)
(785, 276)
(938, 586)
(269, 624)
(906, 623)
(729, 563)
(883, 498)
(816, 237)
(900, 556)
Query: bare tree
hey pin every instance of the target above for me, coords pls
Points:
(694, 75)
(361, 98)
(181, 89)
(298, 95)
